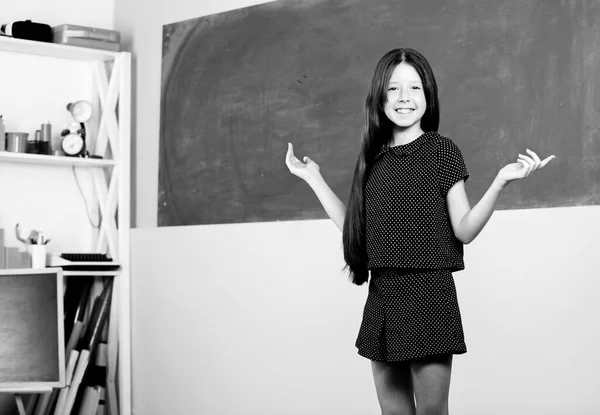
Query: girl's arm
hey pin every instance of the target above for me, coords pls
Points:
(309, 172)
(467, 222)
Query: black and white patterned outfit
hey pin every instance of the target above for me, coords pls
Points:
(412, 309)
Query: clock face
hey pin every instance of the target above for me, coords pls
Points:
(72, 144)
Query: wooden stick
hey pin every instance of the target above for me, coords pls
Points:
(82, 364)
(42, 403)
(20, 406)
(32, 402)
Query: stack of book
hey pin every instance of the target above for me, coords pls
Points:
(86, 318)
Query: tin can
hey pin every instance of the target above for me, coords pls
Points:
(46, 132)
(16, 142)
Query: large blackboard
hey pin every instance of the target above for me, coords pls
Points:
(31, 329)
(237, 86)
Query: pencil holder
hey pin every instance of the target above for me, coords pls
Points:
(38, 256)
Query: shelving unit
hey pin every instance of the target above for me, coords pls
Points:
(38, 159)
(91, 273)
(110, 178)
(53, 50)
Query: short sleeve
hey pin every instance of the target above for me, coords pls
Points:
(451, 167)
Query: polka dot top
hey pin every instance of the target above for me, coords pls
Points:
(407, 221)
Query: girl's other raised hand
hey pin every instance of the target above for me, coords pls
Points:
(524, 166)
(306, 169)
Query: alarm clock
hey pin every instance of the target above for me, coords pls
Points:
(73, 141)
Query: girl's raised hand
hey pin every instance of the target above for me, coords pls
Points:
(305, 170)
(524, 166)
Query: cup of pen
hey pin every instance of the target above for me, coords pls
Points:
(38, 255)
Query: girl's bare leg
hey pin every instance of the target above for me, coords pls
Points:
(393, 384)
(431, 384)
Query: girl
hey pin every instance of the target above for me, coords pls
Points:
(407, 219)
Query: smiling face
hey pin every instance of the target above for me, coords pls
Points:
(406, 103)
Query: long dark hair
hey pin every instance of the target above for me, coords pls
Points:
(377, 134)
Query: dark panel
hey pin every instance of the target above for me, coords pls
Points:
(28, 328)
(237, 86)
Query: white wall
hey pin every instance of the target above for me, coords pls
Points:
(250, 319)
(259, 319)
(29, 86)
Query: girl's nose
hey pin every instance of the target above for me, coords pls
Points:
(403, 95)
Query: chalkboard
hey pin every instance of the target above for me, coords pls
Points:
(238, 86)
(31, 329)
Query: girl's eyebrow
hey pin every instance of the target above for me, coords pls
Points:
(411, 82)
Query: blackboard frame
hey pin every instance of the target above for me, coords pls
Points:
(20, 278)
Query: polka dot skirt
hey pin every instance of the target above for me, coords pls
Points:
(410, 314)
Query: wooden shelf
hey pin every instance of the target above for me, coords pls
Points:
(9, 157)
(55, 50)
(115, 273)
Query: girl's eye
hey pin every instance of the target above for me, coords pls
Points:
(416, 87)
(392, 88)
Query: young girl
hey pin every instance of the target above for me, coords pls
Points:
(407, 219)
